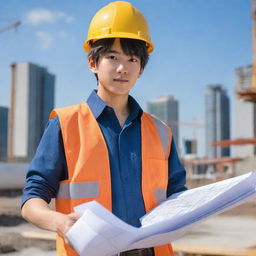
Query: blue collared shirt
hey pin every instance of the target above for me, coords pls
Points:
(49, 166)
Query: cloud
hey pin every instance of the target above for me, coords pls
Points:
(63, 34)
(40, 15)
(46, 39)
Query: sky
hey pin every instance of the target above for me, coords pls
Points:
(197, 43)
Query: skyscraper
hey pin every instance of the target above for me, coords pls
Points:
(245, 114)
(32, 99)
(3, 132)
(166, 109)
(217, 117)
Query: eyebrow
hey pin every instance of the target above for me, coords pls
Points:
(117, 52)
(113, 51)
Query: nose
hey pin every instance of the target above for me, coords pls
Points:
(121, 68)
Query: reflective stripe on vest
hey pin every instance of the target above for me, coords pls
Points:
(163, 133)
(91, 189)
(160, 195)
(89, 178)
(78, 190)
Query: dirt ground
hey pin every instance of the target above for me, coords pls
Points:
(12, 243)
(12, 224)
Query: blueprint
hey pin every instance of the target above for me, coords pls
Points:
(98, 232)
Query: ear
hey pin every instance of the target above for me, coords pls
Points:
(92, 65)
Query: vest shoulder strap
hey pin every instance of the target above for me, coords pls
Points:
(164, 132)
(70, 110)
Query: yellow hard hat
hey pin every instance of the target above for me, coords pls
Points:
(119, 20)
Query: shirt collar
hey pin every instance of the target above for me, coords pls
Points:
(135, 109)
(97, 106)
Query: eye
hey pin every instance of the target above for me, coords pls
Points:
(112, 57)
(133, 59)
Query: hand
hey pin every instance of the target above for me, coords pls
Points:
(66, 223)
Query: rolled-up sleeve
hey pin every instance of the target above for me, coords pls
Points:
(48, 166)
(177, 173)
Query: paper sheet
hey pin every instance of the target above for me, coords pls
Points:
(99, 232)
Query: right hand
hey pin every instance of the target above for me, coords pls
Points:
(66, 223)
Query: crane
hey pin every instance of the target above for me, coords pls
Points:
(194, 124)
(13, 25)
(250, 94)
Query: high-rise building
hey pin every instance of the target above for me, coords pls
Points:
(3, 132)
(190, 146)
(32, 99)
(166, 109)
(245, 114)
(217, 117)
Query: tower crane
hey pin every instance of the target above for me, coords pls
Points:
(10, 156)
(194, 124)
(13, 25)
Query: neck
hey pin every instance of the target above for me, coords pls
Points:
(118, 102)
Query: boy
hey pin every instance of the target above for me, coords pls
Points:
(106, 149)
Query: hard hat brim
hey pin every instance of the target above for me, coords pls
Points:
(118, 35)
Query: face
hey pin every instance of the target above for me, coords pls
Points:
(117, 72)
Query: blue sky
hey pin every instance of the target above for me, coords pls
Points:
(197, 42)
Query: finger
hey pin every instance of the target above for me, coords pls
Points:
(74, 216)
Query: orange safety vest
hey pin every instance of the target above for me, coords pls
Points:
(89, 178)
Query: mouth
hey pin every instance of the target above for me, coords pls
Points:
(121, 80)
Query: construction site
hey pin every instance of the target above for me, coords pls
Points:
(231, 233)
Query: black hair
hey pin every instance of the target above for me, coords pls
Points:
(131, 47)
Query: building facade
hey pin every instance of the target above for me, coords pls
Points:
(3, 133)
(32, 100)
(245, 114)
(166, 108)
(217, 120)
(190, 146)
